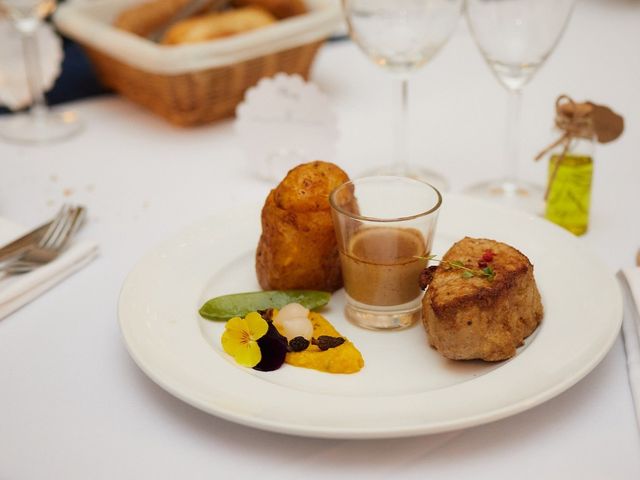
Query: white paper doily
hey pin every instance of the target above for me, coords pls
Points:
(285, 121)
(14, 90)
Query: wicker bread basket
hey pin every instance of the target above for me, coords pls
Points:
(193, 84)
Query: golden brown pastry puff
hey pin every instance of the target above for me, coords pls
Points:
(297, 248)
(217, 25)
(279, 8)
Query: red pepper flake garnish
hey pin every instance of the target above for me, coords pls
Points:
(486, 271)
(487, 256)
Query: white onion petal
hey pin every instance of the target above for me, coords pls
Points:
(292, 321)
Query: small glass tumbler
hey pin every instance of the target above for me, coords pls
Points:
(384, 228)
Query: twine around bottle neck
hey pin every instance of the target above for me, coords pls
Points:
(574, 121)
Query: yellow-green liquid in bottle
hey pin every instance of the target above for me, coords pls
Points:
(570, 194)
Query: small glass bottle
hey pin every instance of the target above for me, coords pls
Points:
(569, 190)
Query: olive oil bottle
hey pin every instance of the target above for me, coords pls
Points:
(579, 126)
(569, 197)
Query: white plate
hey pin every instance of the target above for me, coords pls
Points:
(405, 388)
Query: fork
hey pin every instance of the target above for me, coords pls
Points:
(45, 237)
(52, 243)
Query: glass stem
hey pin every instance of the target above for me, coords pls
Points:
(401, 150)
(514, 103)
(32, 68)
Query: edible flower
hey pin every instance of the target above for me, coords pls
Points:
(240, 338)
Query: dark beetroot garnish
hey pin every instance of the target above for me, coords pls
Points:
(273, 347)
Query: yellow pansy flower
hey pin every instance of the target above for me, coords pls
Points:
(240, 338)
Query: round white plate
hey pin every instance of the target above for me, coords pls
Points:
(405, 388)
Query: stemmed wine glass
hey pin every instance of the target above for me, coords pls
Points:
(515, 38)
(401, 36)
(40, 125)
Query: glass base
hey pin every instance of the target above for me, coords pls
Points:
(514, 193)
(43, 127)
(383, 320)
(423, 174)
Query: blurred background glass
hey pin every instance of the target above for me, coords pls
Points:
(401, 36)
(515, 38)
(40, 125)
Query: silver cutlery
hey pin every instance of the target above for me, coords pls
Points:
(52, 243)
(20, 245)
(631, 338)
(36, 237)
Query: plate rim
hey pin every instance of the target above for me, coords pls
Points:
(351, 432)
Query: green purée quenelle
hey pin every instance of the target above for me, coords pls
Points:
(225, 307)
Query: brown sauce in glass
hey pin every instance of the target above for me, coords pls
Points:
(380, 267)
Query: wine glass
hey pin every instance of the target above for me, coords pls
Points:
(401, 36)
(40, 125)
(515, 38)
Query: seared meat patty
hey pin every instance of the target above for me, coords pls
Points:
(483, 316)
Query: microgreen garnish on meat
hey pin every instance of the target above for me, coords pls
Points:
(486, 272)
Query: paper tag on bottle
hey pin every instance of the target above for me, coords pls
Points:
(284, 121)
(607, 123)
(14, 91)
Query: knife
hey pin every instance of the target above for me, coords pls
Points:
(631, 338)
(23, 243)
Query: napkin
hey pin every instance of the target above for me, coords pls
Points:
(630, 280)
(282, 122)
(18, 290)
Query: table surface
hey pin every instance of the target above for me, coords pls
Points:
(75, 406)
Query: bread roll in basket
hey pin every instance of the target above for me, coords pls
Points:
(198, 83)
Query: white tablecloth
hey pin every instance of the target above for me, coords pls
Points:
(73, 405)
